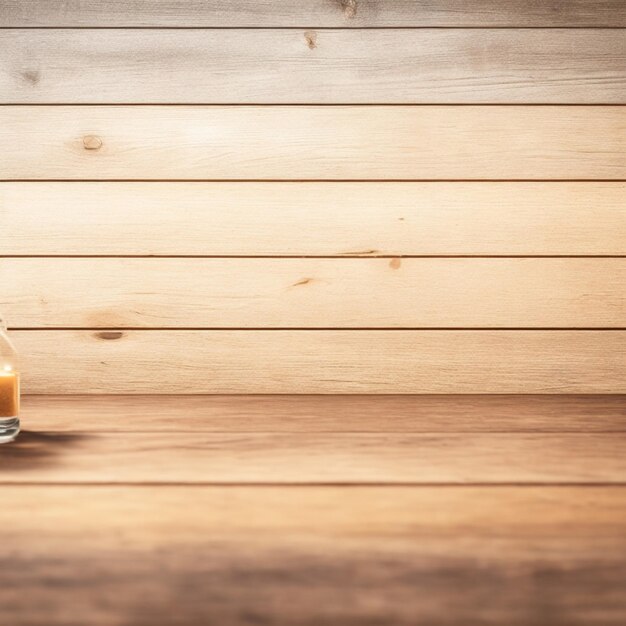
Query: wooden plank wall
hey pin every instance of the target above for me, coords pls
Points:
(327, 197)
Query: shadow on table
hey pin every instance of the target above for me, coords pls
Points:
(36, 450)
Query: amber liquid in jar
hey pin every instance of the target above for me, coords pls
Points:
(9, 388)
(9, 394)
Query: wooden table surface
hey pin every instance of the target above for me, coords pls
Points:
(192, 510)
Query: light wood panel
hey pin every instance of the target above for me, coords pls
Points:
(323, 361)
(309, 66)
(317, 13)
(322, 555)
(326, 414)
(313, 293)
(311, 142)
(296, 219)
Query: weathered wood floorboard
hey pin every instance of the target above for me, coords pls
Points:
(402, 66)
(222, 441)
(315, 458)
(327, 414)
(313, 13)
(112, 556)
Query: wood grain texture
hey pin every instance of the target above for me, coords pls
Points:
(313, 293)
(195, 555)
(313, 13)
(300, 219)
(315, 458)
(390, 361)
(326, 414)
(309, 67)
(307, 554)
(308, 142)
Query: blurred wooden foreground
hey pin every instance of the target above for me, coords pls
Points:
(308, 510)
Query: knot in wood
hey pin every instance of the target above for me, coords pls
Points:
(110, 335)
(311, 39)
(349, 8)
(92, 142)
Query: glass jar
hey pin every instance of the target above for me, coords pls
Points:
(9, 388)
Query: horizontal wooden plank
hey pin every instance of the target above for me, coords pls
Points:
(323, 414)
(296, 219)
(312, 556)
(308, 142)
(313, 293)
(316, 13)
(338, 361)
(311, 67)
(314, 458)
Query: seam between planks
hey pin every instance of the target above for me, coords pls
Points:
(304, 26)
(304, 433)
(324, 328)
(315, 104)
(312, 180)
(312, 256)
(301, 485)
